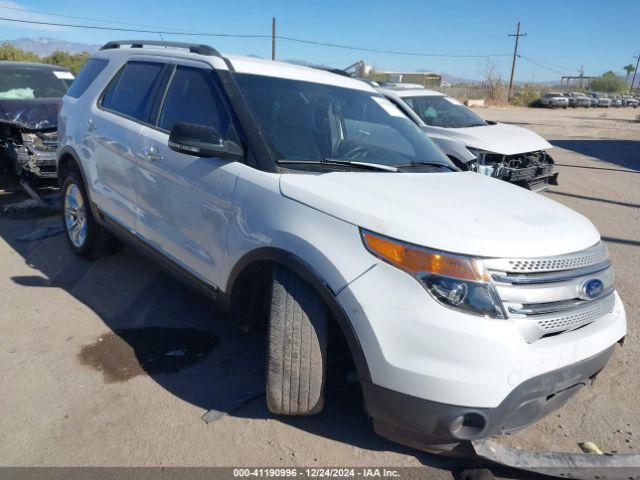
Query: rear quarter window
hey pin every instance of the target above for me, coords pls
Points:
(132, 91)
(87, 75)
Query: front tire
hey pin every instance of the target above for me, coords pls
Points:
(297, 346)
(85, 236)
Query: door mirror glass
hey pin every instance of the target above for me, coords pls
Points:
(203, 141)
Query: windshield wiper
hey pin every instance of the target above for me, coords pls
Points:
(429, 164)
(334, 161)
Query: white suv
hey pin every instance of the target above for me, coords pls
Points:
(471, 307)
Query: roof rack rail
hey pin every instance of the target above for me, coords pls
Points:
(192, 47)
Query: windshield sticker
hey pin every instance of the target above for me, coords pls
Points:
(452, 100)
(63, 75)
(389, 107)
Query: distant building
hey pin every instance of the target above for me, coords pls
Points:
(426, 79)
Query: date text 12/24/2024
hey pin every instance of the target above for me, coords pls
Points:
(316, 472)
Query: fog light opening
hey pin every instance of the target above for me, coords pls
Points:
(468, 426)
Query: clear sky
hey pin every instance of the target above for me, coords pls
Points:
(562, 34)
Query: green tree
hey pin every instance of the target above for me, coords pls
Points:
(609, 82)
(629, 69)
(73, 61)
(10, 53)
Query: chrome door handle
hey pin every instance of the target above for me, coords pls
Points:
(91, 124)
(152, 154)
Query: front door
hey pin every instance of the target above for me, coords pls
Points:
(185, 202)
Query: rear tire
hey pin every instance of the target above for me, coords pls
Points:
(297, 346)
(85, 236)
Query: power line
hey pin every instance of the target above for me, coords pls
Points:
(118, 29)
(393, 52)
(540, 65)
(167, 31)
(564, 67)
(76, 17)
(290, 39)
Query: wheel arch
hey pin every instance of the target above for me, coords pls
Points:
(255, 268)
(68, 159)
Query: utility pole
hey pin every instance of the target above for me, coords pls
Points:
(581, 71)
(634, 74)
(273, 38)
(515, 54)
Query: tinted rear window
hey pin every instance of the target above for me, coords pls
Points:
(132, 91)
(87, 75)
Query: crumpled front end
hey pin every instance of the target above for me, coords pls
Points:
(29, 153)
(37, 155)
(532, 170)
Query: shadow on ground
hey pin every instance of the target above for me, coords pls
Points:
(624, 153)
(156, 326)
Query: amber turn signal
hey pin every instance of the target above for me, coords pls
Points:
(417, 260)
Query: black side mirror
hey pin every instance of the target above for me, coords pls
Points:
(202, 141)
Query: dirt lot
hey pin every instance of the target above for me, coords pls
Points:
(105, 363)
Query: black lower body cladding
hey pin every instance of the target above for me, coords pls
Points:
(421, 423)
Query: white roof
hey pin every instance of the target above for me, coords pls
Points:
(260, 66)
(257, 66)
(412, 92)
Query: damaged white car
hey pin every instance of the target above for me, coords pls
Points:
(30, 98)
(507, 152)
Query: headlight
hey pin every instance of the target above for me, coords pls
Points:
(455, 281)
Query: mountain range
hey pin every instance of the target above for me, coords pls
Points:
(43, 46)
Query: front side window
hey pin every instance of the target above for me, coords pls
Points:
(193, 97)
(307, 121)
(442, 111)
(26, 83)
(133, 90)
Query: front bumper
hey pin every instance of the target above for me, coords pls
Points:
(420, 423)
(442, 362)
(40, 164)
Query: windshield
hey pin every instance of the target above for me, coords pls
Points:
(442, 111)
(24, 83)
(306, 121)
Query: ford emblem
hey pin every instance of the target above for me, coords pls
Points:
(591, 288)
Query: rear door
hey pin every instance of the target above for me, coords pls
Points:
(113, 126)
(185, 202)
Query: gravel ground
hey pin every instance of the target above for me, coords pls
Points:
(104, 363)
(598, 153)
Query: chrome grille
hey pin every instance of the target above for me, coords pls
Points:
(575, 320)
(596, 254)
(545, 295)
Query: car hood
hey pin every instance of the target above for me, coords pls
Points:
(497, 138)
(460, 212)
(33, 114)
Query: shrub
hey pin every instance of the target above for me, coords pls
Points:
(609, 82)
(526, 96)
(73, 61)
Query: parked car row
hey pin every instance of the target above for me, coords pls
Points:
(316, 207)
(587, 100)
